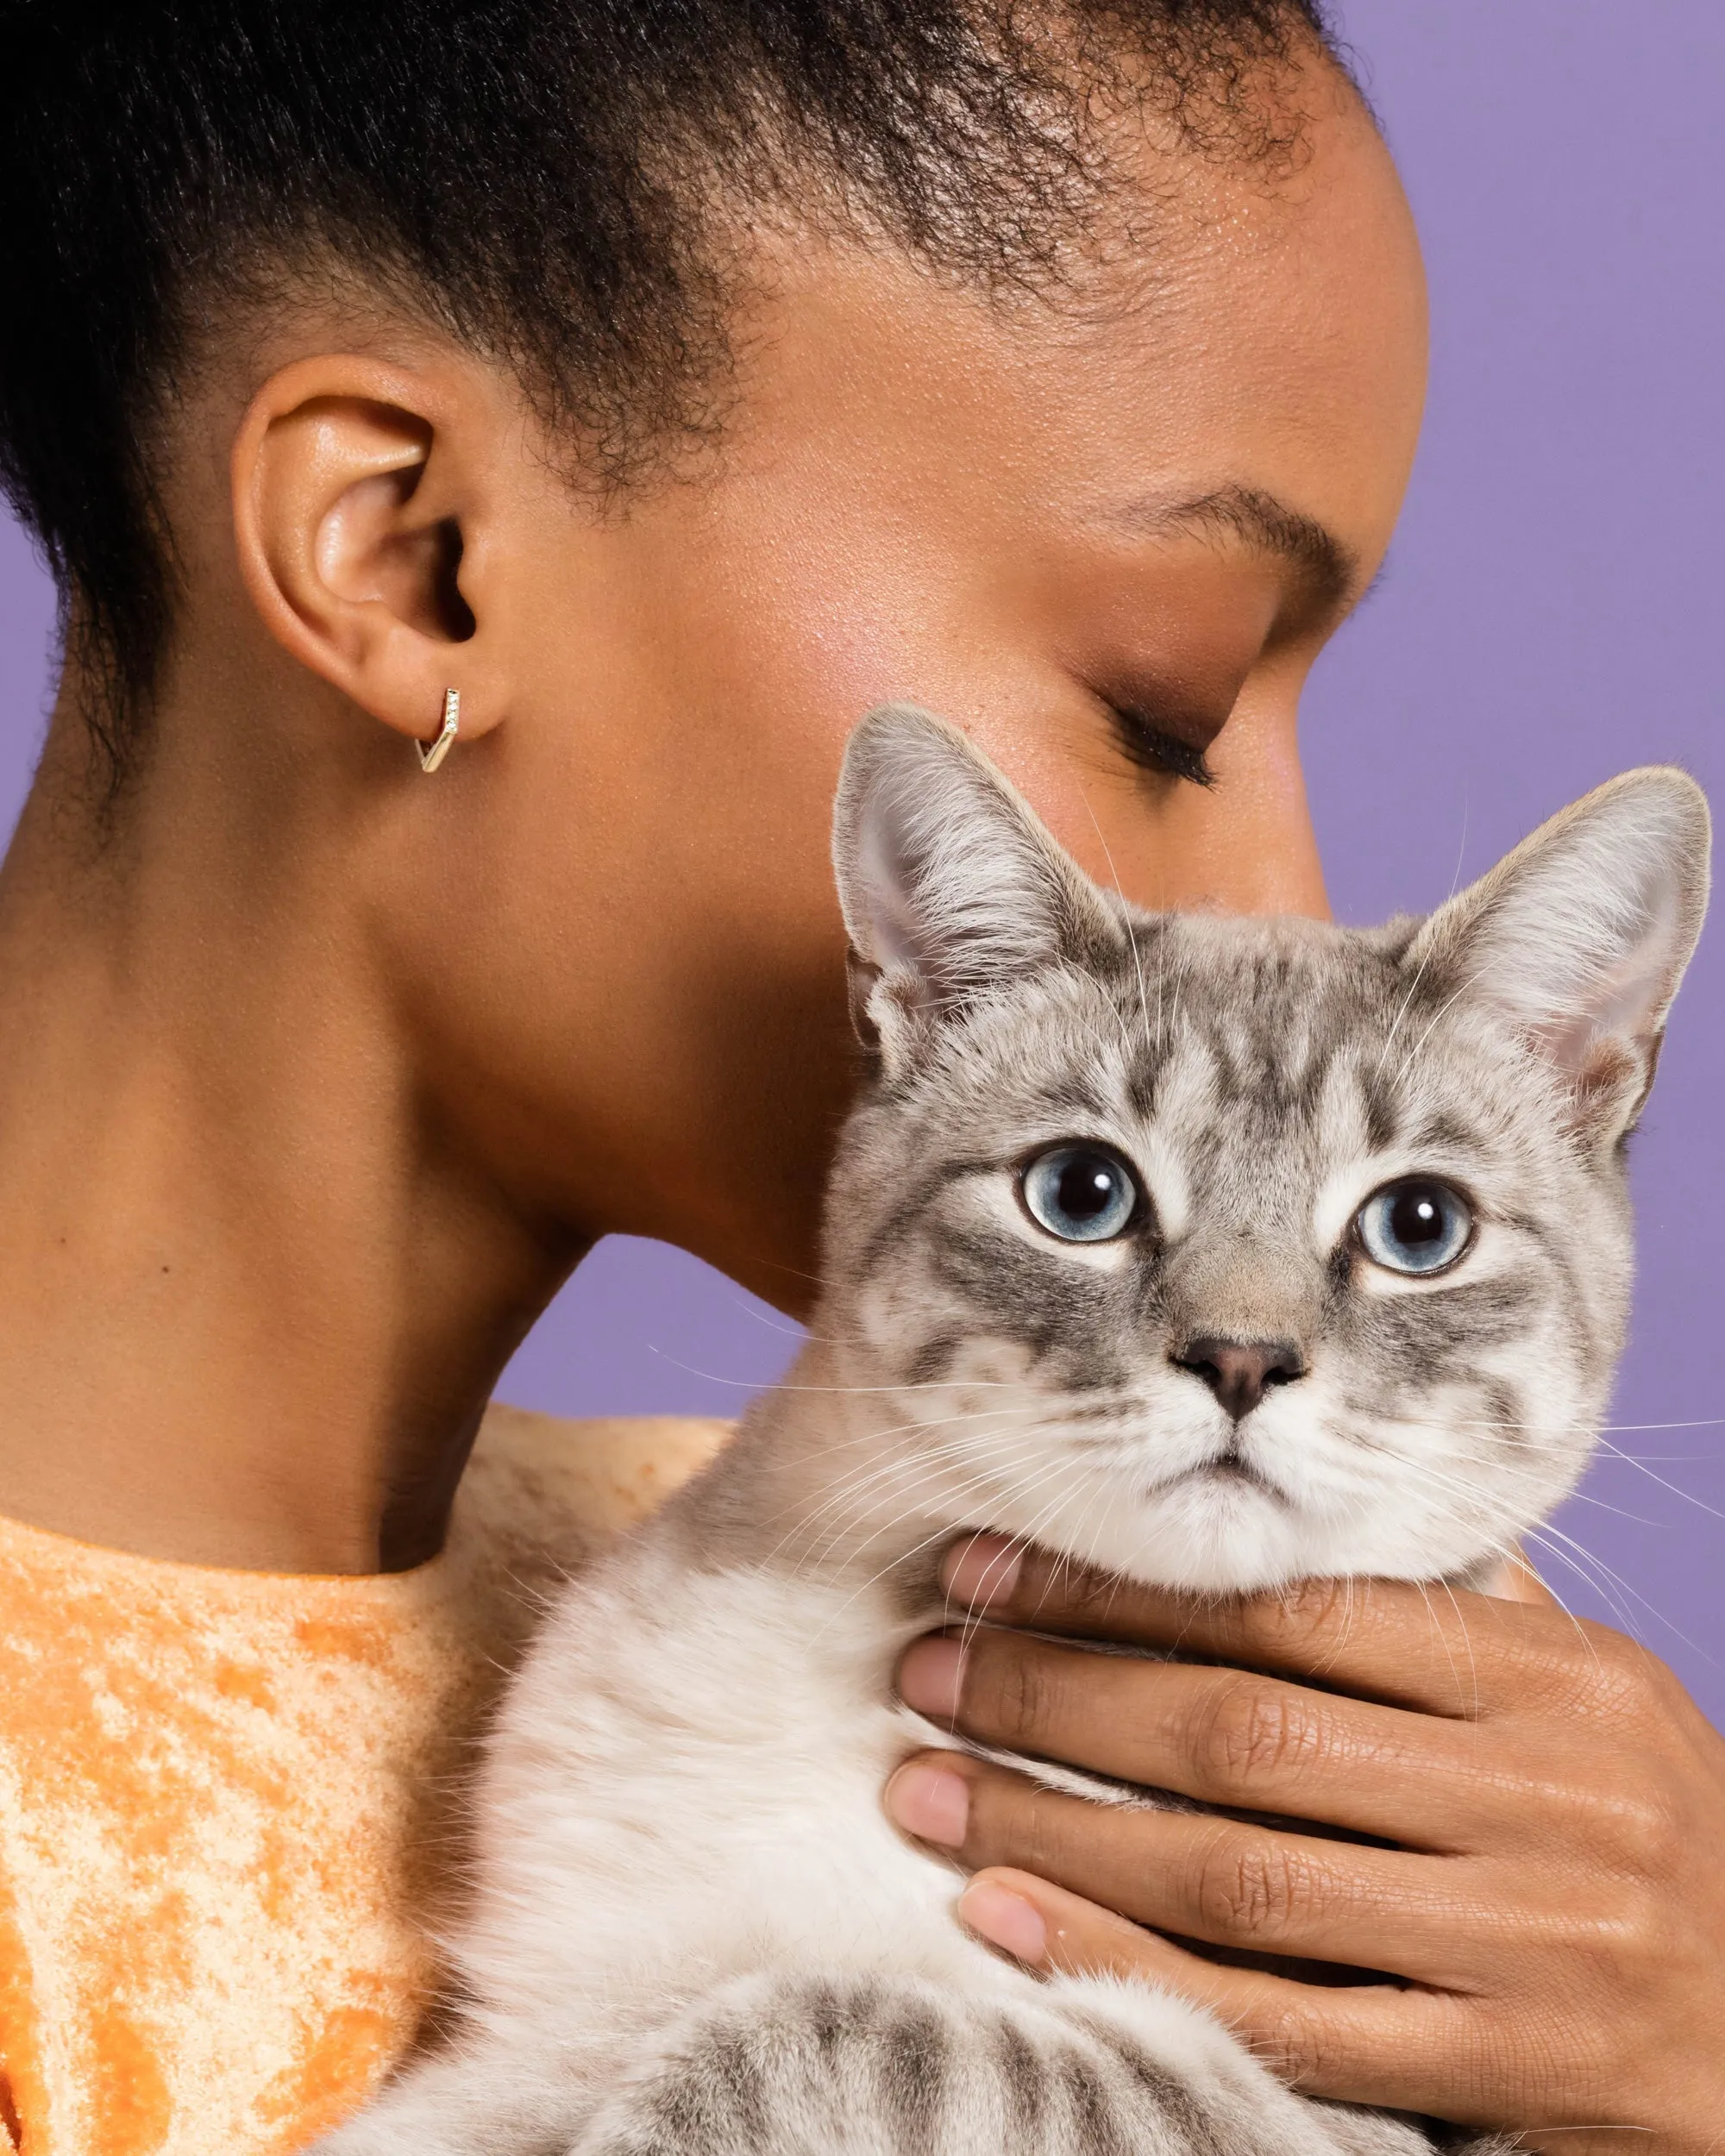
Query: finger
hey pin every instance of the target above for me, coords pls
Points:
(1250, 1888)
(1439, 1650)
(1376, 2045)
(1222, 1736)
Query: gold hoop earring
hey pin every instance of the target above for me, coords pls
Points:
(430, 757)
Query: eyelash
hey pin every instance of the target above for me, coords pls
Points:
(1152, 748)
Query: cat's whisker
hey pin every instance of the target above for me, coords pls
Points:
(1010, 1495)
(840, 1488)
(1585, 1429)
(901, 1558)
(1503, 1466)
(1552, 1537)
(845, 1502)
(1499, 1468)
(1631, 1459)
(852, 1486)
(1561, 1556)
(1626, 1429)
(900, 1385)
(1548, 1535)
(910, 1468)
(1466, 1638)
(875, 1433)
(895, 1477)
(1533, 1435)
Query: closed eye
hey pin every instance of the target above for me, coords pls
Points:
(1154, 748)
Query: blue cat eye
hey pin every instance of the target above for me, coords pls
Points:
(1082, 1194)
(1417, 1226)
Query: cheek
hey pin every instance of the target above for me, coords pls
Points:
(1245, 846)
(1248, 845)
(631, 968)
(1427, 1458)
(674, 761)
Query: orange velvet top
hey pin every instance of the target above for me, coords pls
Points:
(225, 1801)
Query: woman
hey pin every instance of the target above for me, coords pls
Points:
(491, 462)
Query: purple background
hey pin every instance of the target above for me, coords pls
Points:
(1551, 615)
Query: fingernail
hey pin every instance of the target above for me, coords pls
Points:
(1007, 1921)
(931, 1678)
(930, 1801)
(983, 1572)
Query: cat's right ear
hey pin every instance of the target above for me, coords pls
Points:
(951, 887)
(1580, 937)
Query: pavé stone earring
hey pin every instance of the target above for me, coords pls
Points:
(430, 757)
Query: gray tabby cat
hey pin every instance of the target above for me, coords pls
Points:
(1215, 1252)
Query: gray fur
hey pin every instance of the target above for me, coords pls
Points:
(693, 1934)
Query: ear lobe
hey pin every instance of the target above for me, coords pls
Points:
(951, 887)
(1581, 935)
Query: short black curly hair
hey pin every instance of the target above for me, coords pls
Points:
(544, 178)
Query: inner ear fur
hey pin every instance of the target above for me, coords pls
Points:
(1581, 936)
(951, 885)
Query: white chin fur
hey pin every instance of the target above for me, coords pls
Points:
(1214, 1538)
(1232, 1537)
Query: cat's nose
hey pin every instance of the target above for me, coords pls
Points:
(1239, 1372)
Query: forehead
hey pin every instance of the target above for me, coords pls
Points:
(1225, 322)
(1227, 1036)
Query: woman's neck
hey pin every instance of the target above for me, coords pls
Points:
(250, 1311)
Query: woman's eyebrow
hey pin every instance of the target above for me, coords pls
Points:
(1328, 570)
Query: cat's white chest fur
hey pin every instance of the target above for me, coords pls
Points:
(695, 1929)
(687, 1780)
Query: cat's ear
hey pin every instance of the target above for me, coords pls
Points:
(1581, 936)
(951, 887)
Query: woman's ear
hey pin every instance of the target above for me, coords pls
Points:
(362, 516)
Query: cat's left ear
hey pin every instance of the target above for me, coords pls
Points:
(1581, 935)
(951, 888)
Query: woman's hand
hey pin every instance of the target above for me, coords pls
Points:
(1554, 1902)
